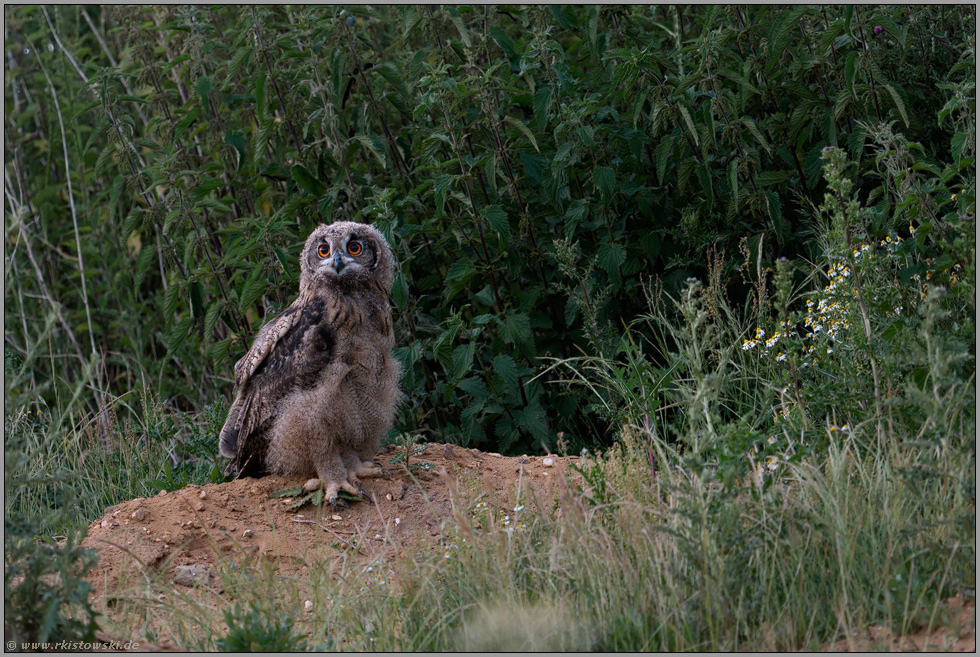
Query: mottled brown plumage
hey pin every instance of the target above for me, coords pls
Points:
(318, 389)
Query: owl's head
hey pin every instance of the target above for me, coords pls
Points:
(347, 255)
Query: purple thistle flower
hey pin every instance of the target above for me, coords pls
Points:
(879, 29)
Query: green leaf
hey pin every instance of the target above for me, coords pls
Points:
(611, 257)
(260, 98)
(170, 299)
(474, 385)
(115, 191)
(691, 130)
(899, 103)
(541, 104)
(306, 181)
(178, 336)
(237, 140)
(733, 180)
(497, 218)
(504, 41)
(757, 133)
(524, 130)
(393, 76)
(254, 285)
(463, 359)
(604, 180)
(288, 492)
(457, 20)
(517, 327)
(577, 212)
(892, 28)
(399, 291)
(375, 146)
(186, 122)
(850, 69)
(506, 369)
(143, 262)
(203, 89)
(459, 270)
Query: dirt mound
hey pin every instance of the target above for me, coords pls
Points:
(182, 536)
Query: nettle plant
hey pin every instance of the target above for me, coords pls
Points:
(533, 168)
(838, 354)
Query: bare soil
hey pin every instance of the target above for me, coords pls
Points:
(238, 524)
(957, 634)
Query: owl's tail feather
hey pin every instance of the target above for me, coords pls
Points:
(228, 439)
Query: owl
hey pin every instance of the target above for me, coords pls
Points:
(318, 389)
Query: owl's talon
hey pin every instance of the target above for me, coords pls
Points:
(363, 493)
(338, 502)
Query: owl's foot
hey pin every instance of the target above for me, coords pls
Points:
(369, 469)
(332, 490)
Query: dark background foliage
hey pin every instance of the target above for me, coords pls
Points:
(533, 169)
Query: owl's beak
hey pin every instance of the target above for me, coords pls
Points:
(338, 263)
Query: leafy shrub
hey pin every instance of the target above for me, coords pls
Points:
(532, 167)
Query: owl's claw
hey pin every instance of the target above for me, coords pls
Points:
(338, 502)
(383, 471)
(360, 491)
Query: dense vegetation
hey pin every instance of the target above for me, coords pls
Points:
(739, 240)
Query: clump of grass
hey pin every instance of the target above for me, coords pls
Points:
(257, 631)
(97, 466)
(45, 596)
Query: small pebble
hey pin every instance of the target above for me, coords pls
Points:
(308, 606)
(247, 532)
(398, 521)
(199, 507)
(203, 495)
(336, 518)
(548, 461)
(162, 493)
(389, 497)
(105, 523)
(190, 575)
(138, 514)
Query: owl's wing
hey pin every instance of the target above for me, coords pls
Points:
(289, 354)
(264, 342)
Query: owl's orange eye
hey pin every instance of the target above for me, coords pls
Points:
(354, 248)
(324, 251)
